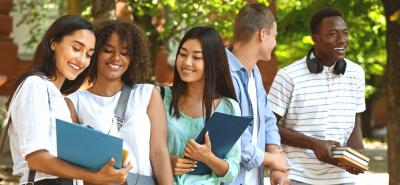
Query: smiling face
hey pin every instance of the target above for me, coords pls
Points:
(113, 59)
(331, 39)
(190, 62)
(73, 53)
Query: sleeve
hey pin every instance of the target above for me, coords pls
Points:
(31, 116)
(271, 128)
(145, 92)
(233, 160)
(251, 155)
(280, 93)
(233, 156)
(360, 96)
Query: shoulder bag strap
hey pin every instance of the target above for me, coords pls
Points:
(162, 91)
(119, 113)
(4, 130)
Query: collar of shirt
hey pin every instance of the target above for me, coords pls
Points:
(326, 69)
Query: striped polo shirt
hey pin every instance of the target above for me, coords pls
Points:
(321, 106)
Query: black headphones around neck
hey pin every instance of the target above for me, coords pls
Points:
(315, 65)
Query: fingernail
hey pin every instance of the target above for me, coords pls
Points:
(192, 169)
(195, 165)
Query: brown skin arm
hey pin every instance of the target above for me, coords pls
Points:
(43, 162)
(321, 148)
(74, 115)
(355, 142)
(355, 139)
(159, 155)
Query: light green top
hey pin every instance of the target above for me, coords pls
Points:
(181, 130)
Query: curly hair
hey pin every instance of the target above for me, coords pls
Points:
(138, 49)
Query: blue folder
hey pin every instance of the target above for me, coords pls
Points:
(86, 147)
(224, 131)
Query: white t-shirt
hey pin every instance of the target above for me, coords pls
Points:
(33, 123)
(322, 106)
(251, 177)
(98, 112)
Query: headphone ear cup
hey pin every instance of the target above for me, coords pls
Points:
(340, 67)
(313, 65)
(318, 64)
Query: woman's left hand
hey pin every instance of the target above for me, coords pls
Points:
(197, 151)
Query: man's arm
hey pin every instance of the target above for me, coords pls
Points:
(321, 148)
(355, 142)
(355, 139)
(274, 157)
(252, 156)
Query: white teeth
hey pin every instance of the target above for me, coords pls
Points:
(74, 66)
(187, 70)
(341, 49)
(113, 66)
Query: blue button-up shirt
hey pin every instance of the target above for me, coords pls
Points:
(268, 133)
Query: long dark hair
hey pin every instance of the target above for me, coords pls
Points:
(44, 64)
(136, 42)
(218, 81)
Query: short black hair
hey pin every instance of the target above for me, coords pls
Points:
(321, 15)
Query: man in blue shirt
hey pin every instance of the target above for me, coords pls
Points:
(255, 32)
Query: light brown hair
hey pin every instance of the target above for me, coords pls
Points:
(250, 19)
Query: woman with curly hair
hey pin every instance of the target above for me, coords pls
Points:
(122, 60)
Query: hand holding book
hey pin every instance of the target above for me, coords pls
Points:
(351, 160)
(323, 148)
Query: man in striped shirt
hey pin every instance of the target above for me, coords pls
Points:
(317, 100)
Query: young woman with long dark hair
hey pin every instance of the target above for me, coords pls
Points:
(202, 85)
(60, 65)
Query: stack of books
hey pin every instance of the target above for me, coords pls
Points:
(350, 158)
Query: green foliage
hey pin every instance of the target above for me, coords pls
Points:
(366, 23)
(165, 21)
(37, 14)
(180, 15)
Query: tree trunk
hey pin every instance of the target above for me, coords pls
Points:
(393, 89)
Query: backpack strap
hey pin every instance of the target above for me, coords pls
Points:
(119, 112)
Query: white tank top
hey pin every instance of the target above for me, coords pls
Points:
(98, 112)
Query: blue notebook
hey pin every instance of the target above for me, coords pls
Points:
(224, 131)
(86, 147)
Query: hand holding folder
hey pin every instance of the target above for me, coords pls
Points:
(224, 131)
